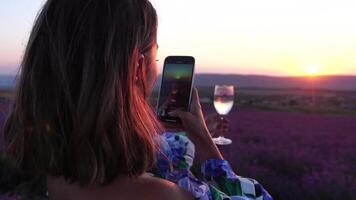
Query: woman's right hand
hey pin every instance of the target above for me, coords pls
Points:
(194, 124)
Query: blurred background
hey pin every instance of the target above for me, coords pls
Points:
(293, 124)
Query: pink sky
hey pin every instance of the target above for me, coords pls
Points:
(273, 37)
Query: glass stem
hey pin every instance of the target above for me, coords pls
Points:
(222, 117)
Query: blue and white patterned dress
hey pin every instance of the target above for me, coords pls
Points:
(175, 159)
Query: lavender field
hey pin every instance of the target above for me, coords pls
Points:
(295, 155)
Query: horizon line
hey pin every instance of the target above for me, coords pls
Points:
(242, 74)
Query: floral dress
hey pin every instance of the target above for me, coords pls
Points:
(175, 159)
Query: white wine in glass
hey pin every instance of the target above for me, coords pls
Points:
(223, 102)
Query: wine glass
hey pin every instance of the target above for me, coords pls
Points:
(223, 102)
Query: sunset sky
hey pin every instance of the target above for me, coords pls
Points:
(271, 37)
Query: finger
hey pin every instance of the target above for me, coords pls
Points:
(180, 108)
(213, 133)
(195, 104)
(224, 124)
(215, 115)
(184, 116)
(212, 117)
(225, 119)
(225, 131)
(222, 128)
(225, 127)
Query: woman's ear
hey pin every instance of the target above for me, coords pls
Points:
(141, 69)
(141, 79)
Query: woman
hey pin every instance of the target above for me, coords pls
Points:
(81, 118)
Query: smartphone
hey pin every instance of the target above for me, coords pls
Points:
(176, 87)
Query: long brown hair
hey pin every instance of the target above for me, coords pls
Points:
(77, 112)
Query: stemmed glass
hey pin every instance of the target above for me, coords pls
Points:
(223, 102)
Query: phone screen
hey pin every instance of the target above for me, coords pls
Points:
(175, 89)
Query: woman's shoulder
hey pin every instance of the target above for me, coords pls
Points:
(142, 187)
(157, 188)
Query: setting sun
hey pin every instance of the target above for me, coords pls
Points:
(312, 70)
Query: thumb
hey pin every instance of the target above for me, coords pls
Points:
(184, 116)
(195, 107)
